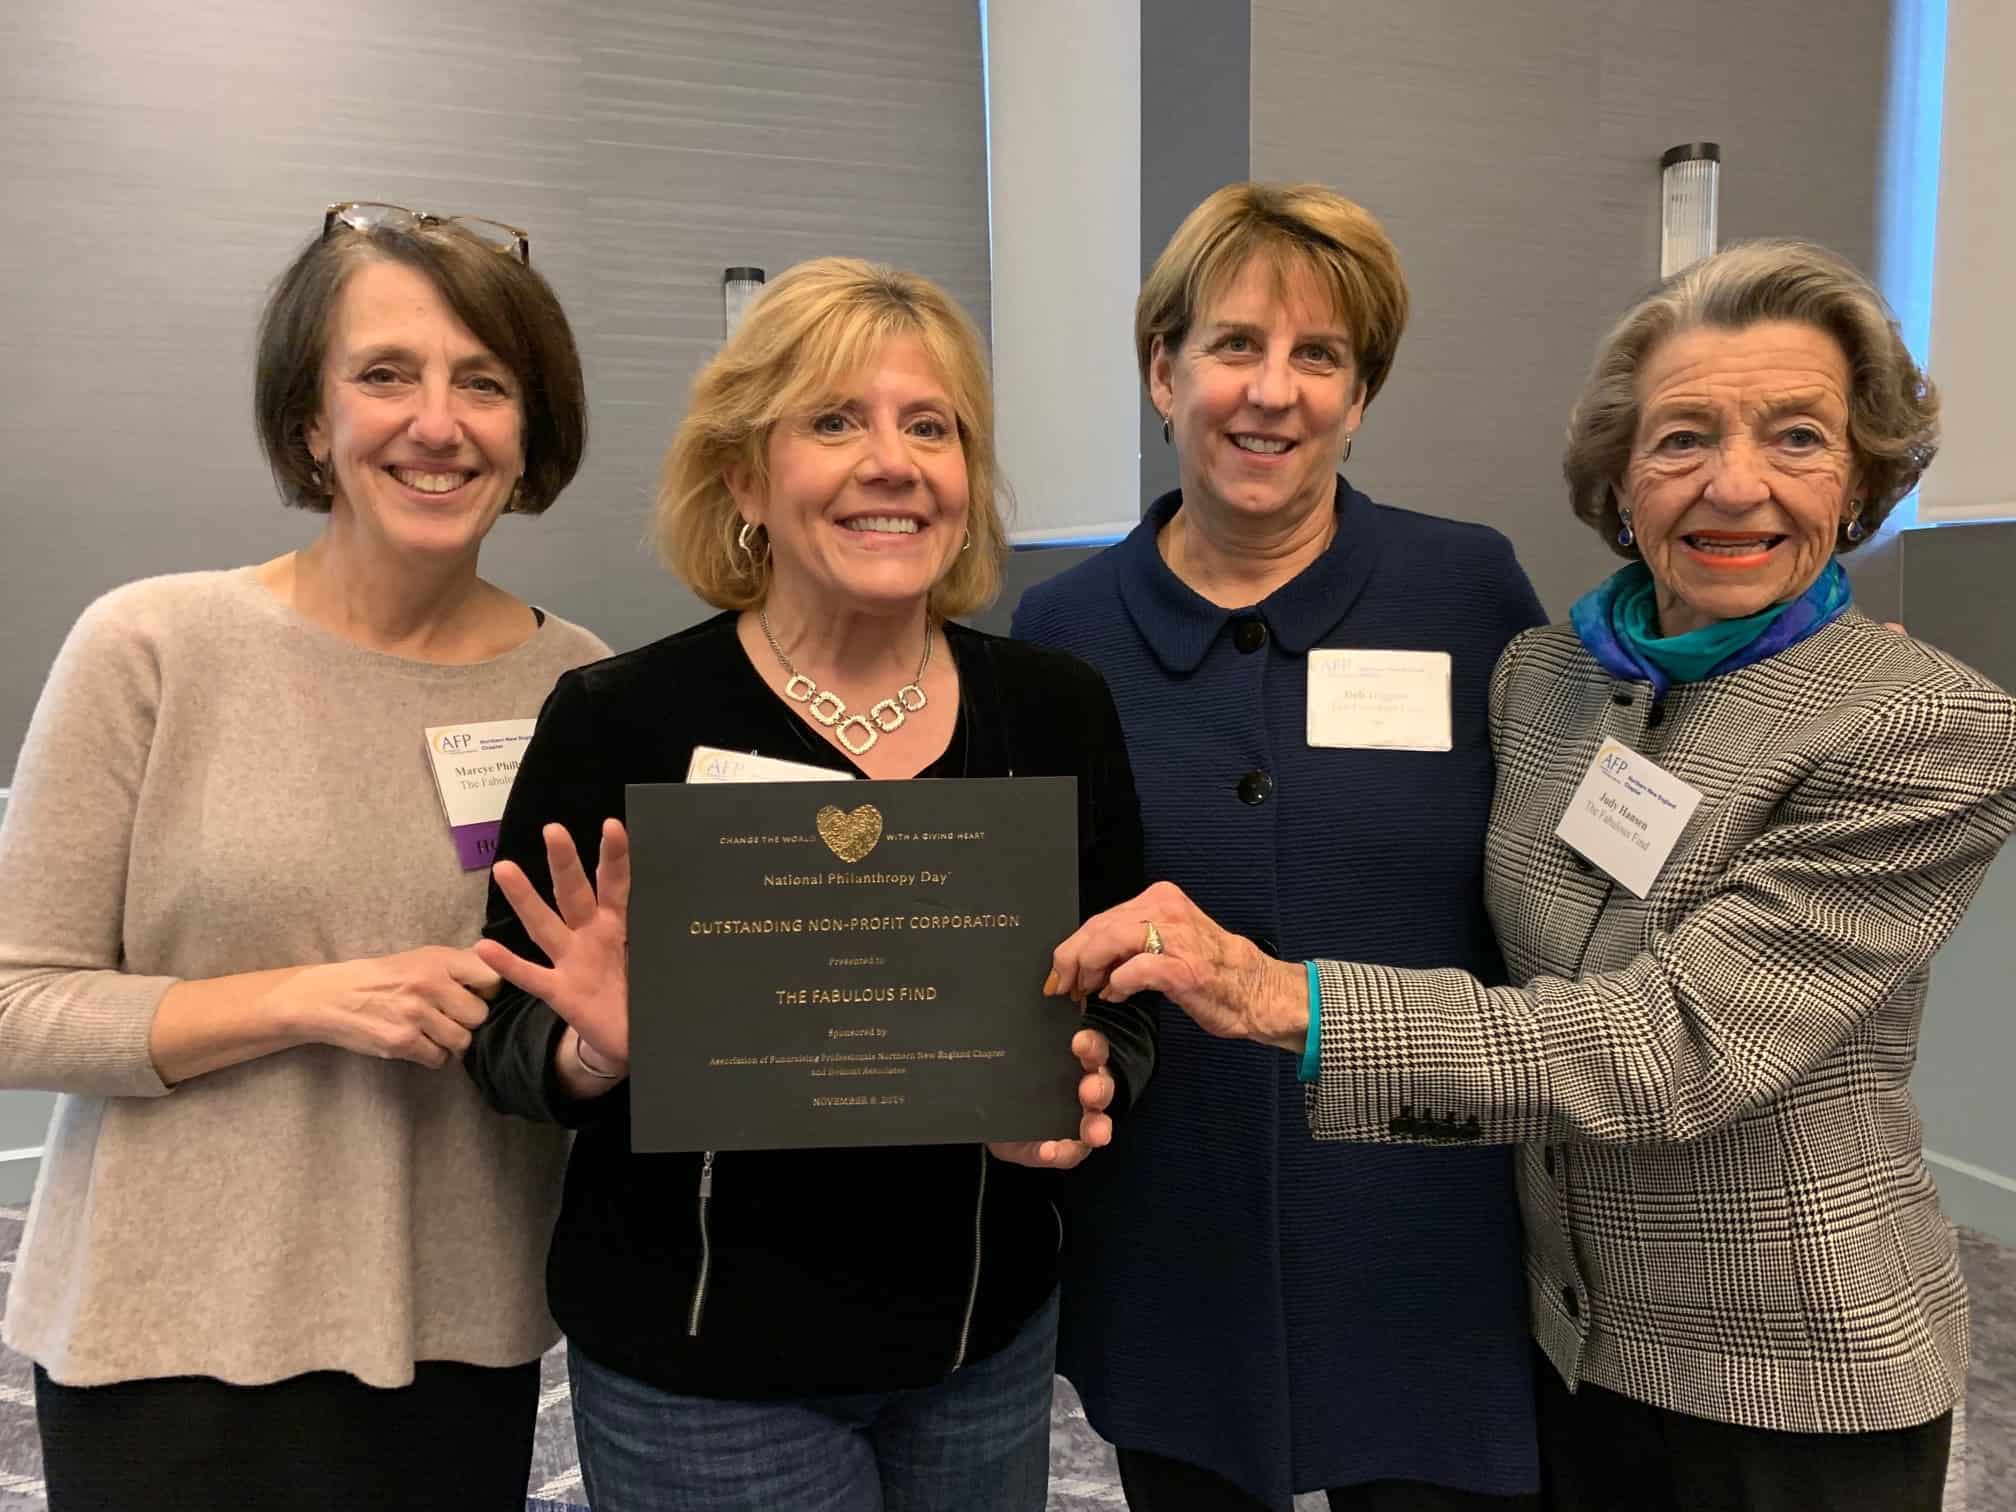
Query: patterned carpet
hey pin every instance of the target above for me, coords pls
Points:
(1082, 1475)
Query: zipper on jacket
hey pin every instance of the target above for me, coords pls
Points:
(706, 1250)
(973, 1290)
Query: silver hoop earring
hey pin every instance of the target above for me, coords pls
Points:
(968, 545)
(749, 552)
(1347, 451)
(1854, 530)
(1165, 431)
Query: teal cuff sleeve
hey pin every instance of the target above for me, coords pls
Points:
(1311, 1069)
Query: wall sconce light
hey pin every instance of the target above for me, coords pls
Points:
(1690, 182)
(738, 287)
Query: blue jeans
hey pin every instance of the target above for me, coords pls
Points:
(978, 1441)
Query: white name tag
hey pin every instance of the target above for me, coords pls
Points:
(712, 764)
(1379, 700)
(1627, 815)
(474, 767)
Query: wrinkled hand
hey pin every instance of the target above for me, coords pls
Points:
(1222, 980)
(586, 939)
(1095, 1095)
(419, 1005)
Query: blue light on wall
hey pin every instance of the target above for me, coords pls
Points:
(1084, 541)
(1908, 214)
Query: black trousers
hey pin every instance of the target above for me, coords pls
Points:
(1601, 1452)
(460, 1437)
(1155, 1483)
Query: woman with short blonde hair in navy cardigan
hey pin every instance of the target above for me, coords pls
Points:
(1264, 331)
(1734, 819)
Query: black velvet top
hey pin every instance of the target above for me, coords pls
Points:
(828, 1270)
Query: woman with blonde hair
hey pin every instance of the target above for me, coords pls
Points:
(851, 1328)
(1368, 1318)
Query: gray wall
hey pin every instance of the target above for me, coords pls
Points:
(1512, 151)
(164, 163)
(23, 1118)
(1195, 121)
(1959, 592)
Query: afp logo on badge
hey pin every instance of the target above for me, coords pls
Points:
(455, 744)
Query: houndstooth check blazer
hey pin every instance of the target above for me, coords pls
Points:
(1725, 1207)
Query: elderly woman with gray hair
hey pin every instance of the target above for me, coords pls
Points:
(1734, 819)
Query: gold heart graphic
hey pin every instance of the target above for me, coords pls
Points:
(850, 836)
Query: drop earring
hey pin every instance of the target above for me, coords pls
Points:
(1625, 537)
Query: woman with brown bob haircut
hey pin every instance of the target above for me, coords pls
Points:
(873, 1324)
(280, 1255)
(1367, 1315)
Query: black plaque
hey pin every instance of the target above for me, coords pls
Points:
(850, 963)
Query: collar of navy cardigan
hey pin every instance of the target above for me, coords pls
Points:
(1179, 624)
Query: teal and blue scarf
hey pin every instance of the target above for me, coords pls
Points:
(1618, 622)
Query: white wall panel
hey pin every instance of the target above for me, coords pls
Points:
(1973, 313)
(1064, 126)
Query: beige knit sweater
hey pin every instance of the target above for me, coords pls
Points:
(212, 785)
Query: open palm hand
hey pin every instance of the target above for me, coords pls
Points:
(585, 933)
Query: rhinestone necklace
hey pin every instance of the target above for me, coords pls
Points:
(831, 710)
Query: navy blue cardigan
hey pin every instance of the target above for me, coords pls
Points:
(1288, 1314)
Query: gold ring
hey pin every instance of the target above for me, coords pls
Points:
(1153, 944)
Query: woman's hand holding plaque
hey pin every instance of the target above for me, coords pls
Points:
(586, 937)
(1095, 1094)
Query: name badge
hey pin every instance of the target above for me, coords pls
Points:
(474, 767)
(1379, 700)
(1627, 815)
(712, 764)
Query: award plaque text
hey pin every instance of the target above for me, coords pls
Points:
(850, 963)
